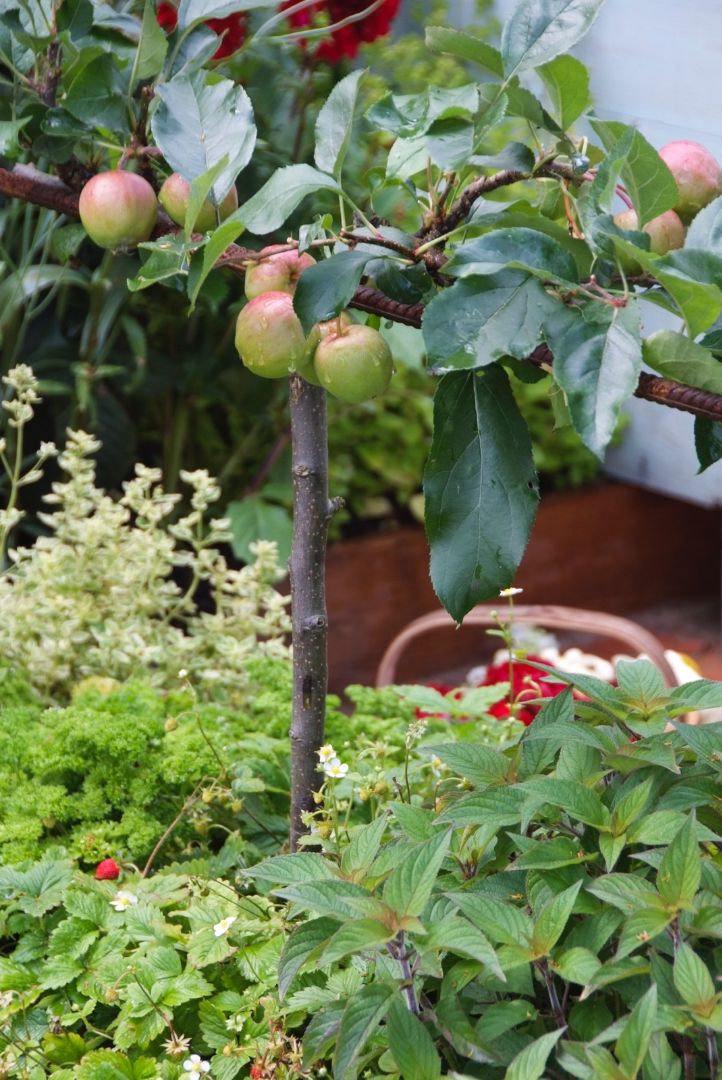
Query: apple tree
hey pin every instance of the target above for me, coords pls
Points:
(515, 228)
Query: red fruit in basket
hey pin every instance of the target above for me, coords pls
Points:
(527, 683)
(107, 870)
(697, 173)
(345, 41)
(232, 28)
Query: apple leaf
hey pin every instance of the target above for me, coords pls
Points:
(325, 289)
(705, 232)
(567, 82)
(253, 518)
(650, 184)
(267, 210)
(482, 318)
(335, 124)
(676, 357)
(597, 360)
(539, 30)
(707, 442)
(152, 47)
(200, 120)
(525, 249)
(444, 39)
(480, 487)
(191, 12)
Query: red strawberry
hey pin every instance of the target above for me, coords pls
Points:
(107, 870)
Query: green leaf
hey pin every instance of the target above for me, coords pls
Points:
(322, 1031)
(680, 870)
(96, 95)
(692, 978)
(705, 232)
(707, 442)
(199, 121)
(650, 184)
(341, 899)
(444, 39)
(499, 806)
(529, 1064)
(324, 290)
(359, 935)
(704, 739)
(480, 319)
(112, 1065)
(9, 136)
(362, 1015)
(575, 799)
(551, 921)
(253, 518)
(550, 854)
(642, 683)
(480, 489)
(597, 360)
(567, 82)
(307, 938)
(408, 888)
(676, 357)
(210, 252)
(191, 12)
(200, 189)
(539, 30)
(690, 278)
(642, 926)
(525, 249)
(152, 47)
(411, 1045)
(696, 695)
(497, 919)
(457, 935)
(363, 848)
(661, 1062)
(304, 866)
(334, 124)
(633, 1043)
(480, 764)
(267, 210)
(630, 806)
(577, 965)
(40, 888)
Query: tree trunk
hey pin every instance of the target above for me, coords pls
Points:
(311, 512)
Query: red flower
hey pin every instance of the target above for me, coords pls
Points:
(107, 870)
(527, 683)
(346, 40)
(232, 28)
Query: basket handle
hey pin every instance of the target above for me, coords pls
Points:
(633, 636)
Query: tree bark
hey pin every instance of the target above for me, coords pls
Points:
(311, 512)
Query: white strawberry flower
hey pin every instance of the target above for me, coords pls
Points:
(326, 753)
(335, 769)
(196, 1067)
(511, 591)
(123, 900)
(224, 925)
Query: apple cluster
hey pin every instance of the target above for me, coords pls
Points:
(119, 208)
(351, 361)
(699, 180)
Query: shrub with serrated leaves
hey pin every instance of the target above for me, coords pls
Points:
(547, 907)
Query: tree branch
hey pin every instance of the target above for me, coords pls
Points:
(27, 183)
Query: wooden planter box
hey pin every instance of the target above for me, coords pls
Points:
(611, 547)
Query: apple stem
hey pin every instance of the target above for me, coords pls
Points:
(311, 513)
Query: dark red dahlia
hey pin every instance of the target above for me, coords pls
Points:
(107, 870)
(344, 42)
(232, 28)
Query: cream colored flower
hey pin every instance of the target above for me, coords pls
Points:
(511, 591)
(335, 769)
(123, 900)
(326, 753)
(196, 1067)
(224, 925)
